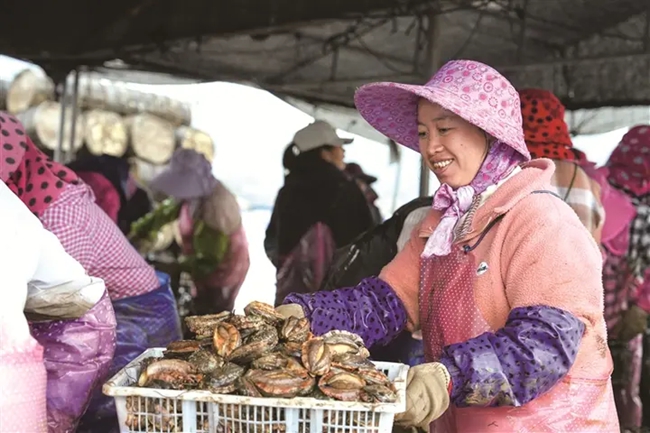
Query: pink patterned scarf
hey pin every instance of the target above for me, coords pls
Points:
(629, 163)
(499, 163)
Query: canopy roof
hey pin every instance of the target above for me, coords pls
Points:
(591, 53)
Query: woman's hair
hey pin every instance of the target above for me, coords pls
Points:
(293, 159)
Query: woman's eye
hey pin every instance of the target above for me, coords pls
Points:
(422, 134)
(443, 130)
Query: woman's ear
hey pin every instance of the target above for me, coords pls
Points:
(326, 155)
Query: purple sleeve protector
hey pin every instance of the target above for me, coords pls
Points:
(521, 361)
(371, 310)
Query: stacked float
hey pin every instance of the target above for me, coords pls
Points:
(114, 119)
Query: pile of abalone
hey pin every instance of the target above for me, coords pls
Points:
(262, 354)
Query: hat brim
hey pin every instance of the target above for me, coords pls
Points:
(179, 186)
(345, 141)
(391, 108)
(368, 179)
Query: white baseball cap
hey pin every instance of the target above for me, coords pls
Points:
(318, 134)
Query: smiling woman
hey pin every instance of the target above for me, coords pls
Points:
(501, 277)
(453, 148)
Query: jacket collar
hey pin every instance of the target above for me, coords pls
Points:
(535, 175)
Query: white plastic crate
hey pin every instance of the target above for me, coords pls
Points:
(157, 410)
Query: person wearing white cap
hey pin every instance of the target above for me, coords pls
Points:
(318, 209)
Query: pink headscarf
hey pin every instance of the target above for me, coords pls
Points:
(499, 163)
(29, 173)
(106, 196)
(629, 164)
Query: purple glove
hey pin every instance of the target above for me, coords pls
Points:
(371, 309)
(77, 356)
(521, 361)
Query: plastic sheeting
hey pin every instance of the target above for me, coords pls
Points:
(77, 355)
(144, 321)
(304, 269)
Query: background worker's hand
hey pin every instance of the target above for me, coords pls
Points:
(289, 310)
(427, 395)
(633, 323)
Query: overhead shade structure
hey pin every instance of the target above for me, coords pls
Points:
(591, 54)
(345, 118)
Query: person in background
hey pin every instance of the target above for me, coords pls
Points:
(209, 229)
(144, 304)
(365, 182)
(65, 308)
(547, 136)
(115, 190)
(501, 277)
(627, 269)
(317, 210)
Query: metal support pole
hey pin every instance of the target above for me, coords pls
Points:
(522, 33)
(433, 64)
(646, 33)
(75, 112)
(58, 152)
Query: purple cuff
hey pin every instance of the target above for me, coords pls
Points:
(521, 361)
(371, 309)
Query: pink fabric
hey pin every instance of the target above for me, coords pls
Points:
(627, 383)
(499, 162)
(29, 173)
(450, 315)
(524, 267)
(619, 212)
(629, 164)
(620, 287)
(474, 91)
(23, 383)
(106, 196)
(89, 236)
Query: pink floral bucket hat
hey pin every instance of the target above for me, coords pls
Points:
(474, 91)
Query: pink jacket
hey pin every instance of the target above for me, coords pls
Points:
(542, 256)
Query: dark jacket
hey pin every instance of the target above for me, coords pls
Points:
(316, 193)
(365, 257)
(371, 251)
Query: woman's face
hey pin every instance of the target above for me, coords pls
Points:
(335, 155)
(453, 148)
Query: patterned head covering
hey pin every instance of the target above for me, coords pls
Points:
(188, 176)
(629, 163)
(545, 131)
(355, 170)
(29, 173)
(473, 91)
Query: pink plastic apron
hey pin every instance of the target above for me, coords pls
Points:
(627, 380)
(449, 314)
(23, 382)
